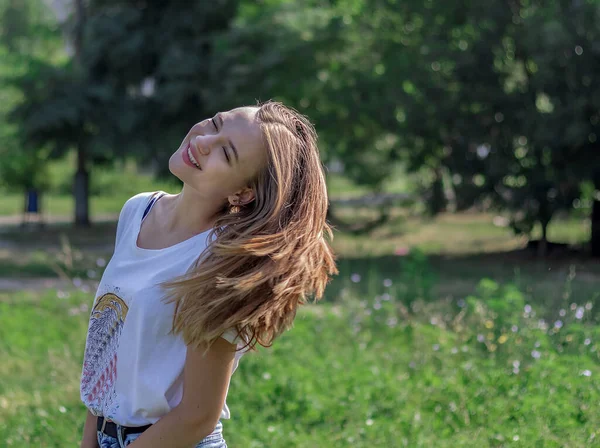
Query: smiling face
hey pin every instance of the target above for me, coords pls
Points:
(221, 155)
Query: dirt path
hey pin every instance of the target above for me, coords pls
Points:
(15, 220)
(41, 283)
(36, 284)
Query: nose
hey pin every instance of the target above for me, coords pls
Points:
(202, 149)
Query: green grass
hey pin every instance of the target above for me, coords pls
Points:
(340, 186)
(62, 205)
(451, 234)
(355, 371)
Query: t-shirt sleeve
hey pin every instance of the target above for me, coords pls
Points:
(121, 223)
(231, 336)
(127, 213)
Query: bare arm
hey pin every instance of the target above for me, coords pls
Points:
(90, 437)
(205, 382)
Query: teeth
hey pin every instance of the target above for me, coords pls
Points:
(191, 156)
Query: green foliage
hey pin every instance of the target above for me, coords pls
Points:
(416, 278)
(21, 170)
(155, 65)
(468, 92)
(28, 42)
(490, 105)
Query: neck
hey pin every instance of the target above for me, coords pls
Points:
(190, 212)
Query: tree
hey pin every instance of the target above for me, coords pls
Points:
(157, 62)
(52, 115)
(81, 187)
(546, 143)
(27, 36)
(99, 102)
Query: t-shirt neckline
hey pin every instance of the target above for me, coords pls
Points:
(138, 228)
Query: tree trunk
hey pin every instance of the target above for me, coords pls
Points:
(437, 204)
(81, 190)
(542, 249)
(79, 26)
(81, 184)
(595, 240)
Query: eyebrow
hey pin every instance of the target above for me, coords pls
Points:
(220, 119)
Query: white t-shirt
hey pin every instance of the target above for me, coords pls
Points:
(132, 368)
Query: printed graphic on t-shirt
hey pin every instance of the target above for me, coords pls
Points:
(100, 360)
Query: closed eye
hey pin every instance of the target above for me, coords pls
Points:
(226, 155)
(223, 147)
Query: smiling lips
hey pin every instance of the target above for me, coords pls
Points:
(188, 157)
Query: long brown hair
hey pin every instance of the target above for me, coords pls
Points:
(268, 256)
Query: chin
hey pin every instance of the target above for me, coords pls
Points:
(181, 171)
(176, 167)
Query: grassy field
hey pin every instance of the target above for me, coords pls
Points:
(353, 372)
(443, 332)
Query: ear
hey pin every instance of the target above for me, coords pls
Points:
(242, 197)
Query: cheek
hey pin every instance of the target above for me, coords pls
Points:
(251, 172)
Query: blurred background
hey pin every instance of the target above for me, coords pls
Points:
(460, 141)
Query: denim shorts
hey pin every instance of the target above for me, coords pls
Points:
(213, 440)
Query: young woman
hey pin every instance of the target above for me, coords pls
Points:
(201, 277)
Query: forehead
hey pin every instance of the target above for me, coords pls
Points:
(242, 128)
(241, 120)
